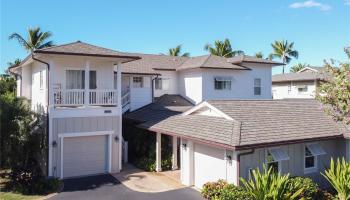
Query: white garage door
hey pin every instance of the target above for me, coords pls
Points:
(209, 164)
(85, 155)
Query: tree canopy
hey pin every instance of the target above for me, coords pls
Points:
(298, 67)
(36, 39)
(335, 92)
(284, 51)
(177, 52)
(222, 48)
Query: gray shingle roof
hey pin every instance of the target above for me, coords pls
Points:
(301, 76)
(163, 107)
(81, 48)
(209, 61)
(256, 123)
(251, 59)
(150, 64)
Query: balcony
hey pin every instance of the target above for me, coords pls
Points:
(81, 97)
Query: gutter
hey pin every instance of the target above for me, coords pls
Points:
(47, 108)
(239, 162)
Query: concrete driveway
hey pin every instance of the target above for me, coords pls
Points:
(108, 187)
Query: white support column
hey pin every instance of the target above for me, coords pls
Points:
(174, 155)
(61, 160)
(119, 105)
(187, 162)
(159, 152)
(87, 83)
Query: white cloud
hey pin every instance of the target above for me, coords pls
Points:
(312, 4)
(347, 2)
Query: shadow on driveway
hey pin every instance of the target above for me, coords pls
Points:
(109, 188)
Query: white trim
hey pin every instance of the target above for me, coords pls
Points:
(61, 175)
(310, 169)
(80, 134)
(83, 134)
(279, 162)
(119, 112)
(206, 104)
(305, 68)
(97, 111)
(50, 147)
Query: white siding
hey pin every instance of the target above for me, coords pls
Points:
(242, 86)
(26, 90)
(140, 96)
(290, 90)
(39, 94)
(190, 85)
(173, 86)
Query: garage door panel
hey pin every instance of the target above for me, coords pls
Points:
(85, 155)
(208, 159)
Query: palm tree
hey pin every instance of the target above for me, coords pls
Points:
(177, 51)
(298, 67)
(223, 49)
(259, 54)
(15, 63)
(284, 51)
(35, 39)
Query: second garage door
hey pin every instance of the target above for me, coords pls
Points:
(209, 164)
(86, 155)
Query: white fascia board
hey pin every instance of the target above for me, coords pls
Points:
(206, 104)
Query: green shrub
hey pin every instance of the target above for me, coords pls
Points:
(309, 188)
(212, 190)
(323, 195)
(338, 175)
(231, 192)
(269, 185)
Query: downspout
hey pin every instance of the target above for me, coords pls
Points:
(47, 109)
(239, 162)
(153, 87)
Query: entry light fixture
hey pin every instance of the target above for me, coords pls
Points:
(54, 143)
(116, 138)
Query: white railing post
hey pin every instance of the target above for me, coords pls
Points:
(87, 84)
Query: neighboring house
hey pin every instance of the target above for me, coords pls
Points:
(87, 90)
(302, 84)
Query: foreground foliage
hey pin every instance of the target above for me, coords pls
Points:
(269, 185)
(221, 190)
(335, 93)
(338, 176)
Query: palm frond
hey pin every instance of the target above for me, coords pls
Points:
(20, 40)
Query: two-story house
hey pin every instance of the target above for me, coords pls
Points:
(218, 111)
(302, 84)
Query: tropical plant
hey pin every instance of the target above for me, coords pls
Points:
(177, 52)
(36, 39)
(338, 175)
(222, 48)
(259, 54)
(310, 188)
(298, 67)
(269, 185)
(15, 63)
(335, 92)
(284, 51)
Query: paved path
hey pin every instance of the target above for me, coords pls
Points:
(109, 188)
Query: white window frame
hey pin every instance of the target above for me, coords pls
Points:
(303, 87)
(226, 85)
(257, 86)
(162, 84)
(313, 169)
(279, 162)
(41, 79)
(140, 81)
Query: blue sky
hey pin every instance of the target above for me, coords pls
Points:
(319, 29)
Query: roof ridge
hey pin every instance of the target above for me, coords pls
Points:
(206, 60)
(58, 45)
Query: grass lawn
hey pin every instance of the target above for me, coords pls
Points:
(6, 194)
(16, 196)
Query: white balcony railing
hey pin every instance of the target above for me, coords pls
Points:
(76, 97)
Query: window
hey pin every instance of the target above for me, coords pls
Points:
(222, 83)
(289, 89)
(257, 86)
(137, 82)
(41, 80)
(250, 173)
(311, 151)
(302, 88)
(75, 79)
(274, 157)
(162, 83)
